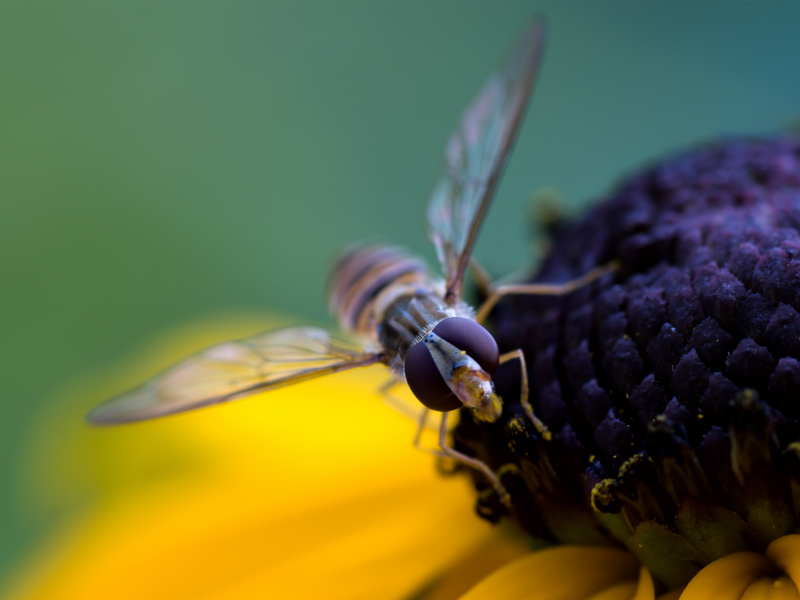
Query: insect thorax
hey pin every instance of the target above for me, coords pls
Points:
(382, 294)
(408, 319)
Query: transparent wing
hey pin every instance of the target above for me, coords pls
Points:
(234, 370)
(475, 155)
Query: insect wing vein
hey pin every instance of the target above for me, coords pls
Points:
(234, 370)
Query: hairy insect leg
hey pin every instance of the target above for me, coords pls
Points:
(505, 498)
(525, 390)
(542, 289)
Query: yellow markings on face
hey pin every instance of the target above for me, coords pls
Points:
(470, 385)
(490, 410)
(473, 387)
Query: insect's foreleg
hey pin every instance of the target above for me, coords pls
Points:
(471, 462)
(525, 391)
(418, 435)
(542, 289)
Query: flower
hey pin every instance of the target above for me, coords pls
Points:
(669, 388)
(774, 574)
(314, 487)
(670, 466)
(311, 491)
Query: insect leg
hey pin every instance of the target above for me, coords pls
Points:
(480, 276)
(524, 391)
(543, 289)
(471, 462)
(418, 435)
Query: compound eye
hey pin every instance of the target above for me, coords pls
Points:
(424, 378)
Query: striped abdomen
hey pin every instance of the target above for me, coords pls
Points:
(366, 279)
(385, 295)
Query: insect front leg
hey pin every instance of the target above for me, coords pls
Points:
(525, 390)
(505, 498)
(542, 289)
(418, 436)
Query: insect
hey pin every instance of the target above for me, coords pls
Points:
(416, 325)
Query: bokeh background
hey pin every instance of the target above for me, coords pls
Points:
(160, 163)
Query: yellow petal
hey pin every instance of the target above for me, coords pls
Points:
(630, 590)
(620, 591)
(727, 578)
(377, 546)
(560, 573)
(498, 550)
(313, 491)
(785, 553)
(645, 590)
(771, 588)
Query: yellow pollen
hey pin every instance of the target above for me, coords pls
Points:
(507, 468)
(601, 493)
(514, 425)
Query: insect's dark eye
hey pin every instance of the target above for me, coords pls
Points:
(422, 375)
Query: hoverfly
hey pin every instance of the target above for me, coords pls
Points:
(417, 326)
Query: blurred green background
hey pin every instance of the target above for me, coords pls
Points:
(160, 162)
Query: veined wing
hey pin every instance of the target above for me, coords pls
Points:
(476, 153)
(233, 370)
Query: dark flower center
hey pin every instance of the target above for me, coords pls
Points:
(672, 387)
